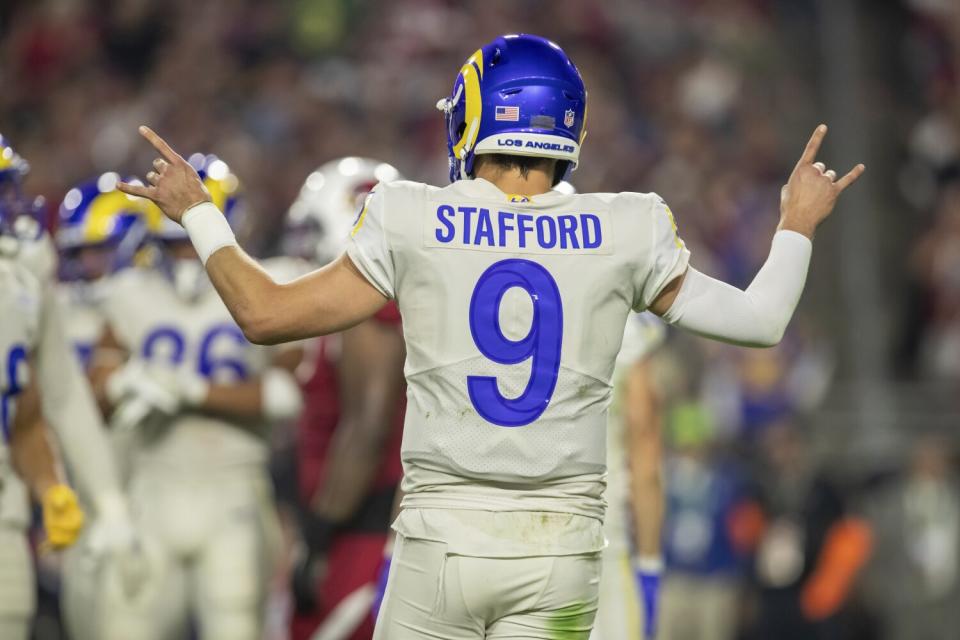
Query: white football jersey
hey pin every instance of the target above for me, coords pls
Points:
(21, 299)
(199, 337)
(513, 314)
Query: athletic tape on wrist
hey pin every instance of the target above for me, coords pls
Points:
(208, 229)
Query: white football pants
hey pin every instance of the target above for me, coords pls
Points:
(17, 584)
(619, 616)
(210, 541)
(435, 595)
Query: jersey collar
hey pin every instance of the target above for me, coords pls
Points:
(482, 188)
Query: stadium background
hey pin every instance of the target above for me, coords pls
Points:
(707, 102)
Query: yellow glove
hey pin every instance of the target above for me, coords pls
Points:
(62, 516)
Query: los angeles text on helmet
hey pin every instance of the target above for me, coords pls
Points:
(482, 228)
(536, 144)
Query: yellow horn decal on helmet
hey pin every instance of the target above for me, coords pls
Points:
(477, 60)
(472, 73)
(103, 214)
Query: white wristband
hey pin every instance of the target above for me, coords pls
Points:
(208, 229)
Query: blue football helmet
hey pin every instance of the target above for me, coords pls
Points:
(518, 95)
(94, 214)
(19, 215)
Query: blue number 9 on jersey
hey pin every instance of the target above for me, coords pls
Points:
(542, 343)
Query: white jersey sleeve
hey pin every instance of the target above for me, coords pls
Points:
(668, 256)
(369, 246)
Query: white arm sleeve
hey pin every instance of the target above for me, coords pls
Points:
(69, 408)
(756, 317)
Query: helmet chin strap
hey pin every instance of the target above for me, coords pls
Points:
(465, 151)
(463, 164)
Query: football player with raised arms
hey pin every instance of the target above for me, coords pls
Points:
(514, 300)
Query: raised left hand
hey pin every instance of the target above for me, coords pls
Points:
(812, 190)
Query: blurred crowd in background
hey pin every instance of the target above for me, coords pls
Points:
(706, 102)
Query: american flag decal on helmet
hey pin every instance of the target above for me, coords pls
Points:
(509, 114)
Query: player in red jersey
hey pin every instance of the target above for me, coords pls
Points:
(348, 449)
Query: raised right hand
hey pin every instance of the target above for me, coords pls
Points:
(173, 184)
(812, 190)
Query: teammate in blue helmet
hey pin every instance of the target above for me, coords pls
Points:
(100, 229)
(18, 213)
(99, 232)
(514, 300)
